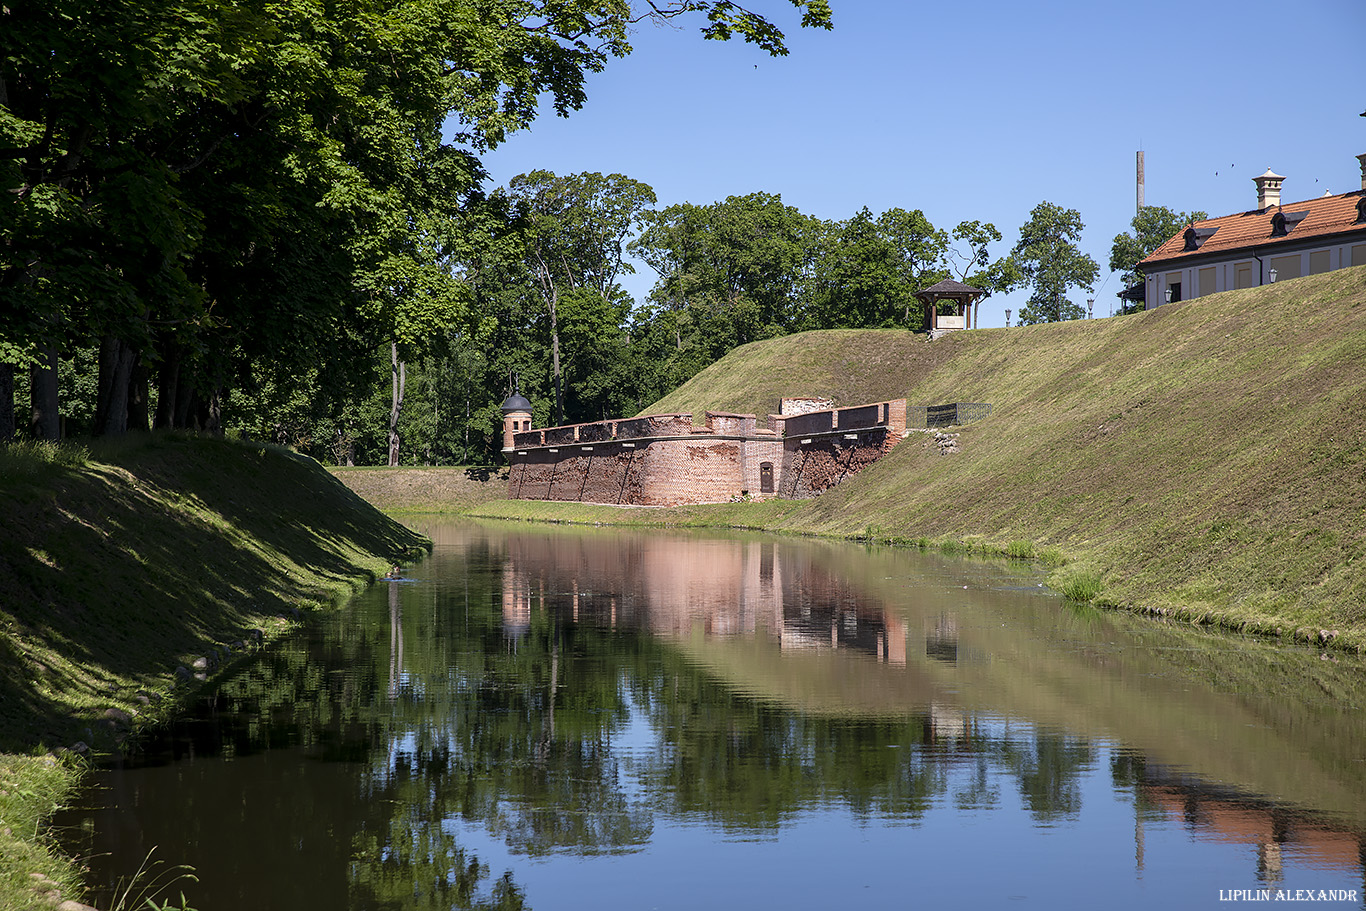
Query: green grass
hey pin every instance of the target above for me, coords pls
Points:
(32, 871)
(407, 491)
(122, 561)
(1207, 459)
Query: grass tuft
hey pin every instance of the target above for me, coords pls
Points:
(1081, 586)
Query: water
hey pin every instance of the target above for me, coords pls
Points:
(562, 719)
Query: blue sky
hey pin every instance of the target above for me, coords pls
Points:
(981, 110)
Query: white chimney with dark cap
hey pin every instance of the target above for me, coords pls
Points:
(1268, 189)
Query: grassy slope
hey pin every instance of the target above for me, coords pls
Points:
(400, 491)
(118, 567)
(1206, 459)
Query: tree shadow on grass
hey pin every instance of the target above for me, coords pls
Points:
(115, 576)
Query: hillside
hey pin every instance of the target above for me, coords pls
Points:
(120, 565)
(1206, 459)
(405, 490)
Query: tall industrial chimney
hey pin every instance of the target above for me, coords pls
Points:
(1140, 179)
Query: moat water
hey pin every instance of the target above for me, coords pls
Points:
(605, 719)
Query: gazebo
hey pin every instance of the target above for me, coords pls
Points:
(961, 297)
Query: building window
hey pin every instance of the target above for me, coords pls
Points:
(1172, 294)
(765, 477)
(1286, 267)
(1359, 255)
(1207, 280)
(1242, 277)
(1318, 262)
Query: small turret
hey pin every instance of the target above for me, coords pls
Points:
(516, 418)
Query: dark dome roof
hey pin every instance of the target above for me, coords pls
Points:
(516, 402)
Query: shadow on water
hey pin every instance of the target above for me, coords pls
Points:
(540, 710)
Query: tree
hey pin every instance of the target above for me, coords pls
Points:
(1151, 228)
(869, 269)
(974, 266)
(576, 229)
(1048, 258)
(747, 255)
(217, 191)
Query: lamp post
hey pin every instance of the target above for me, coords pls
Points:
(1090, 302)
(1168, 294)
(1007, 317)
(1273, 275)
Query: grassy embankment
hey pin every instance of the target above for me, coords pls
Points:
(1205, 460)
(121, 563)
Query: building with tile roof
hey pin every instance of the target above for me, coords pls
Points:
(1272, 242)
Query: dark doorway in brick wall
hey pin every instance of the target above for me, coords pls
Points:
(765, 477)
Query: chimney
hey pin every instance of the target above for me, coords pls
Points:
(1268, 190)
(1140, 179)
(1362, 158)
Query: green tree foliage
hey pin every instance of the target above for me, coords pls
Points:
(1048, 258)
(224, 195)
(1150, 228)
(574, 245)
(729, 273)
(726, 19)
(870, 268)
(971, 260)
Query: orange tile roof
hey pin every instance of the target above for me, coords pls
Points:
(1324, 215)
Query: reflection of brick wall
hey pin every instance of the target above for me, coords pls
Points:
(683, 585)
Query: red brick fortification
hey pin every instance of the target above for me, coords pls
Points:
(663, 460)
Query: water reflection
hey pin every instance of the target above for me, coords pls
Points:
(607, 719)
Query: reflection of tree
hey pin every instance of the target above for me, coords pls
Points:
(1049, 768)
(458, 724)
(413, 864)
(978, 792)
(746, 764)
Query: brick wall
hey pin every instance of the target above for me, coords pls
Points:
(701, 470)
(663, 460)
(809, 469)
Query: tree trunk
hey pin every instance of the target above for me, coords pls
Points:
(555, 362)
(399, 378)
(168, 383)
(6, 402)
(211, 412)
(185, 401)
(116, 371)
(45, 422)
(138, 415)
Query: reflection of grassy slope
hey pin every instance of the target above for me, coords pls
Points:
(1207, 458)
(117, 569)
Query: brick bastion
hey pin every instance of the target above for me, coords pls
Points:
(664, 460)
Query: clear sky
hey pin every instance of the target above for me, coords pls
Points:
(981, 110)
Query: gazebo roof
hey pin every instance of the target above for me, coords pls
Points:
(949, 289)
